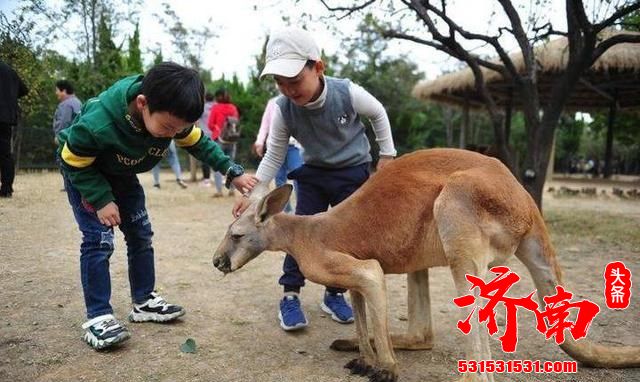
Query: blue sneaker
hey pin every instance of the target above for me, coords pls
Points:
(335, 305)
(291, 315)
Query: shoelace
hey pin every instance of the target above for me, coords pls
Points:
(290, 305)
(338, 299)
(157, 300)
(108, 324)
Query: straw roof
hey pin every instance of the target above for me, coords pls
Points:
(617, 72)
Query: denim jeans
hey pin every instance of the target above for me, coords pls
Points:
(292, 161)
(319, 188)
(174, 162)
(7, 167)
(229, 149)
(98, 245)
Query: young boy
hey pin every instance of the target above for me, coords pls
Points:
(124, 131)
(323, 114)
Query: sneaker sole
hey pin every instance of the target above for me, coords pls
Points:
(286, 328)
(155, 317)
(327, 310)
(97, 344)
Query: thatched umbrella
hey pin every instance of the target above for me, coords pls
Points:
(614, 76)
(613, 82)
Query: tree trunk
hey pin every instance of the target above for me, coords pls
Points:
(539, 151)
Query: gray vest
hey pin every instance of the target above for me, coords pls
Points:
(332, 136)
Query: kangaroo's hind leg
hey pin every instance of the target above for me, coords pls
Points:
(420, 332)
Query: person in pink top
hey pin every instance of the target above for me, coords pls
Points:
(293, 158)
(222, 109)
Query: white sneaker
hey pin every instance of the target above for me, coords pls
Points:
(104, 331)
(155, 309)
(181, 183)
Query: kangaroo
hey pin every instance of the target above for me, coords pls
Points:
(441, 207)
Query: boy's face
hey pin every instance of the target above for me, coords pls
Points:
(160, 124)
(60, 94)
(304, 87)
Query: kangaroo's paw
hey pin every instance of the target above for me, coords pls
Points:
(383, 375)
(359, 366)
(345, 344)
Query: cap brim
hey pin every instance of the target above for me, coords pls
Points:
(285, 67)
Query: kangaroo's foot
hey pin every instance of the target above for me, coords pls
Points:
(359, 366)
(399, 341)
(383, 375)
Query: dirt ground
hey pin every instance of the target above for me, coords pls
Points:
(233, 319)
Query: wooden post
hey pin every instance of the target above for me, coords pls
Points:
(552, 157)
(465, 124)
(608, 153)
(507, 117)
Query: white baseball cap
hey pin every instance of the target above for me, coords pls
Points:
(288, 51)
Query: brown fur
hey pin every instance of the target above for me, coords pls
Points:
(440, 207)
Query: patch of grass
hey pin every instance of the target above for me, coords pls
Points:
(579, 225)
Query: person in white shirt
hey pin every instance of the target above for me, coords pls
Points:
(293, 158)
(323, 114)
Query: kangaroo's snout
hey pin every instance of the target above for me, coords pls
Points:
(223, 263)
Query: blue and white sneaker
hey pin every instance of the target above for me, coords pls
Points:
(104, 331)
(335, 305)
(291, 315)
(155, 309)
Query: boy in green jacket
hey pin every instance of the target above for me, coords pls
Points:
(124, 131)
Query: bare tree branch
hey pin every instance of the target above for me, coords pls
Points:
(611, 41)
(443, 48)
(348, 10)
(550, 32)
(620, 13)
(493, 41)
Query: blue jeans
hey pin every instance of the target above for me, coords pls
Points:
(97, 245)
(319, 188)
(174, 162)
(229, 149)
(292, 161)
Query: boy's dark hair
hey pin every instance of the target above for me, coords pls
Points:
(64, 85)
(175, 89)
(310, 64)
(208, 96)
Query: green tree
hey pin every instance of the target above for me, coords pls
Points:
(134, 57)
(108, 59)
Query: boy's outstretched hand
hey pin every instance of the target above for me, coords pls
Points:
(245, 183)
(109, 215)
(240, 206)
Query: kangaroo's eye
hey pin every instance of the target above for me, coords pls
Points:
(236, 237)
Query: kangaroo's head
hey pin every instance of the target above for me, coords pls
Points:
(248, 235)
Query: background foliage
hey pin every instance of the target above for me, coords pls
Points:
(108, 48)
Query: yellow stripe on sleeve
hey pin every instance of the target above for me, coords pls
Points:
(75, 160)
(191, 139)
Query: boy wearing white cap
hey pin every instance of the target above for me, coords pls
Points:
(323, 114)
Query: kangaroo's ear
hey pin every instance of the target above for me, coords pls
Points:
(273, 203)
